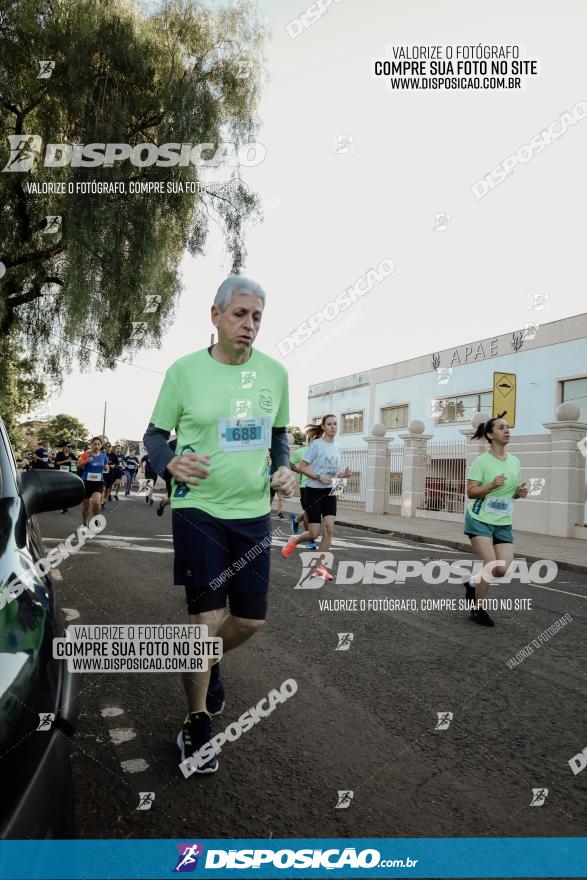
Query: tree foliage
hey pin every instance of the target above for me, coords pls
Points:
(20, 388)
(298, 435)
(64, 427)
(186, 74)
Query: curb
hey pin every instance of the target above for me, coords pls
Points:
(452, 544)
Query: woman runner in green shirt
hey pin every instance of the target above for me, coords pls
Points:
(493, 482)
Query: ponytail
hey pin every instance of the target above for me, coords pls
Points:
(314, 432)
(485, 428)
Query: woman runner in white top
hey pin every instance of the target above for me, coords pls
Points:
(322, 463)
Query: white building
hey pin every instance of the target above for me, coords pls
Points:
(445, 388)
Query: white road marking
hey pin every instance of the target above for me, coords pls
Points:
(111, 712)
(122, 537)
(70, 613)
(341, 543)
(120, 735)
(135, 765)
(122, 545)
(552, 590)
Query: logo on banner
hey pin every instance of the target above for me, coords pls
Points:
(189, 853)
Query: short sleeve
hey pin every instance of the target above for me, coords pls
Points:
(311, 453)
(476, 471)
(168, 408)
(297, 456)
(282, 415)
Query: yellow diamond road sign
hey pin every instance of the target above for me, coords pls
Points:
(504, 397)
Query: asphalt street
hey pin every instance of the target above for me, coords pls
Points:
(365, 719)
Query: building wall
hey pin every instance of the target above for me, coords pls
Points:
(538, 368)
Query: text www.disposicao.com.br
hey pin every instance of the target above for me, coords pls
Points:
(135, 664)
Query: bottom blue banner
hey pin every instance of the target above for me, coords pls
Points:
(330, 857)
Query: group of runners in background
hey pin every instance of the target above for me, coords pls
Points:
(105, 471)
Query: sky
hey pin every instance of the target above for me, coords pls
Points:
(356, 173)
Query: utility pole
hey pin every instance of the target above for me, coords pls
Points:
(104, 422)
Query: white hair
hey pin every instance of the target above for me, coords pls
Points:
(237, 284)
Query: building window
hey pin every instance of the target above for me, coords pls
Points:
(486, 403)
(460, 410)
(575, 391)
(351, 423)
(394, 417)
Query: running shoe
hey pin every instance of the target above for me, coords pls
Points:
(147, 498)
(312, 545)
(294, 523)
(215, 696)
(469, 591)
(480, 616)
(288, 549)
(280, 514)
(195, 733)
(116, 498)
(151, 502)
(160, 509)
(103, 507)
(321, 571)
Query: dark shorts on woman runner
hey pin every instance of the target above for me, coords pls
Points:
(319, 503)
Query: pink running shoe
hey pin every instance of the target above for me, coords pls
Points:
(321, 571)
(288, 549)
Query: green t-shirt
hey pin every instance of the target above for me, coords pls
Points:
(496, 507)
(296, 458)
(226, 412)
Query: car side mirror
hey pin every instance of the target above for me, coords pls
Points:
(44, 490)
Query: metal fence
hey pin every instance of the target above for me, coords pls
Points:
(354, 495)
(395, 466)
(445, 477)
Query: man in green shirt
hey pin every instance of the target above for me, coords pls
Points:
(229, 407)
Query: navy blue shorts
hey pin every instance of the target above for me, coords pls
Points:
(220, 559)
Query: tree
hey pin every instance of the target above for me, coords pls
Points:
(20, 388)
(298, 435)
(179, 76)
(63, 427)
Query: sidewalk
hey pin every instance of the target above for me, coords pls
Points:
(570, 554)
